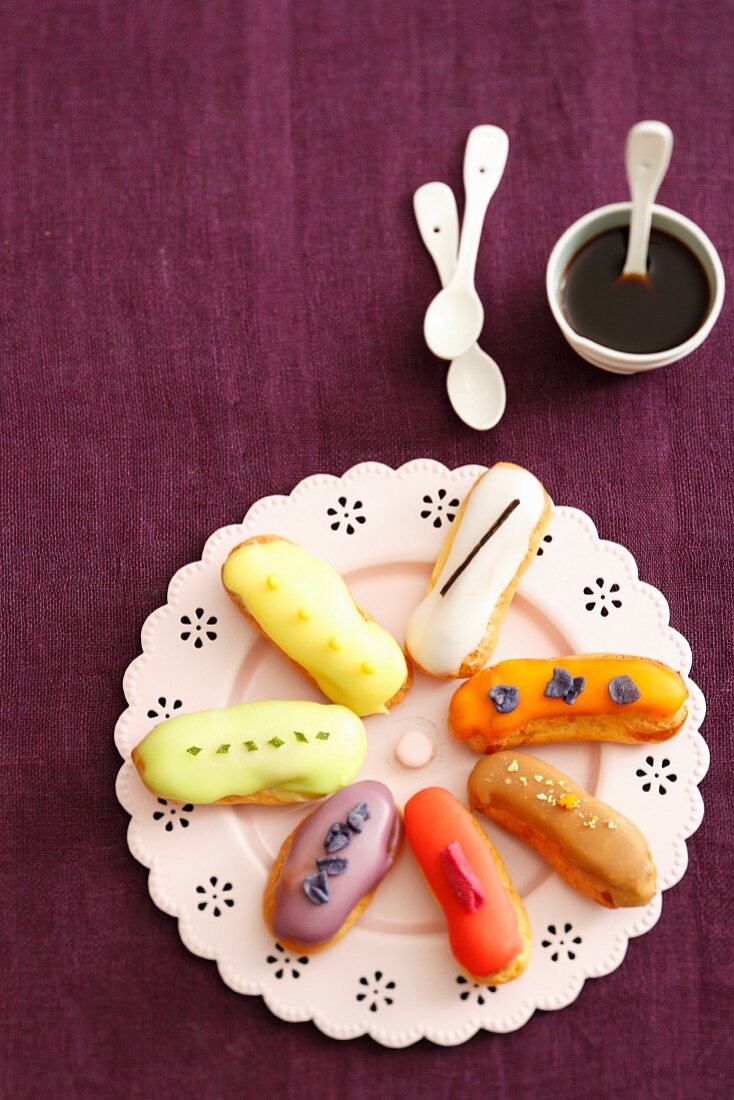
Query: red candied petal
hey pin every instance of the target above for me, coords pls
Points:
(461, 877)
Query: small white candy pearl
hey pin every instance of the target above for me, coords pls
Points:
(415, 749)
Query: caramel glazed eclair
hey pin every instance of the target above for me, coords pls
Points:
(592, 697)
(592, 846)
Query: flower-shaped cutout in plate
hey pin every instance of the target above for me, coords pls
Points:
(393, 976)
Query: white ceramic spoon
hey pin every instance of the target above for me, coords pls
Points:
(647, 156)
(475, 384)
(454, 318)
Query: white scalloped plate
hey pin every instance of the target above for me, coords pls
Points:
(393, 975)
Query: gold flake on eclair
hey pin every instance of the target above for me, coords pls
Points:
(513, 766)
(568, 801)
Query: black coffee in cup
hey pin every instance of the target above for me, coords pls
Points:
(632, 314)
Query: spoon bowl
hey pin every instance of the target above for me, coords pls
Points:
(453, 321)
(476, 389)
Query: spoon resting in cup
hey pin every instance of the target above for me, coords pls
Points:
(647, 156)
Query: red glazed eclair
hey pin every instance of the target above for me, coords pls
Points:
(488, 926)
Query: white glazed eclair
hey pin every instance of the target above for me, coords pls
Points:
(494, 538)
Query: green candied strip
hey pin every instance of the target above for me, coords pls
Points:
(276, 742)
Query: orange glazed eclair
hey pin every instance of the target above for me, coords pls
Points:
(593, 697)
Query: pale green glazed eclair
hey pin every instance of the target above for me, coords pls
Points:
(254, 752)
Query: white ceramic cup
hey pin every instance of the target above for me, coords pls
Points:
(612, 217)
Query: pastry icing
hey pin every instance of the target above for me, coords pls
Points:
(462, 871)
(371, 851)
(310, 615)
(289, 751)
(592, 847)
(491, 539)
(654, 694)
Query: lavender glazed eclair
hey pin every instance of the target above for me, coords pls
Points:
(329, 867)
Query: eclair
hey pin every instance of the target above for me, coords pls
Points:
(302, 605)
(488, 926)
(254, 752)
(494, 538)
(330, 866)
(592, 846)
(594, 697)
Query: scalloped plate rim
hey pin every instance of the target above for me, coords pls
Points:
(382, 1034)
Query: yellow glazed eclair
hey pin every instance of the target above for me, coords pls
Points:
(302, 605)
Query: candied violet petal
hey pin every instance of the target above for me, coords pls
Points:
(579, 683)
(316, 888)
(332, 865)
(559, 685)
(623, 689)
(338, 837)
(505, 698)
(357, 817)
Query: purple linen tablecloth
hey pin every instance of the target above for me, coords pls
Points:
(212, 287)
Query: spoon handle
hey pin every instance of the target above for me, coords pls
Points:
(438, 223)
(484, 164)
(647, 156)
